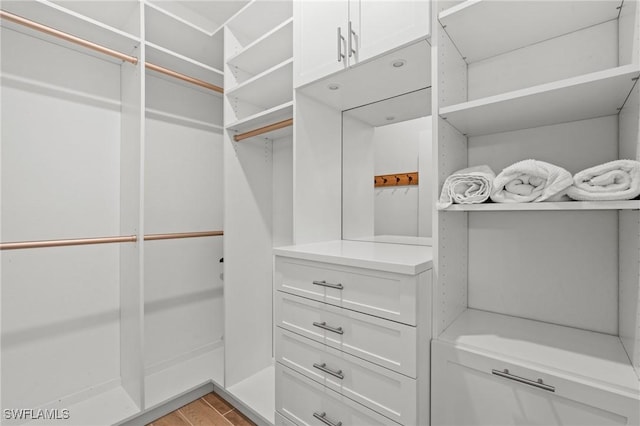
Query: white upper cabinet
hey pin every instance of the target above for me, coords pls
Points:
(333, 35)
(320, 31)
(385, 25)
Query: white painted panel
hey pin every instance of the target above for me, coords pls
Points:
(382, 294)
(575, 146)
(427, 187)
(358, 161)
(248, 219)
(317, 172)
(298, 398)
(183, 297)
(578, 98)
(315, 29)
(582, 52)
(131, 223)
(60, 322)
(629, 291)
(283, 191)
(481, 29)
(452, 72)
(378, 388)
(183, 179)
(61, 142)
(628, 33)
(470, 394)
(384, 25)
(396, 211)
(168, 95)
(450, 232)
(558, 267)
(386, 343)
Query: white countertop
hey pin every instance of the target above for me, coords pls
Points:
(398, 258)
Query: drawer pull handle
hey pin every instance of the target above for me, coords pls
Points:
(323, 283)
(324, 326)
(323, 367)
(538, 384)
(323, 418)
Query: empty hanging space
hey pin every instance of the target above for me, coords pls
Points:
(537, 300)
(65, 80)
(183, 296)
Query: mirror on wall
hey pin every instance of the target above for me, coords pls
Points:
(386, 158)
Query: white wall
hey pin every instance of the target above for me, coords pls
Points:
(402, 148)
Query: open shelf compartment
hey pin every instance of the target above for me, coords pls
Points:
(483, 28)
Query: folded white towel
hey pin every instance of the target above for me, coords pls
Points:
(467, 186)
(531, 181)
(615, 180)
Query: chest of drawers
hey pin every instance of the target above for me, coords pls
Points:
(353, 327)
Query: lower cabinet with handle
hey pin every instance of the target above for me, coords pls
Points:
(476, 388)
(353, 333)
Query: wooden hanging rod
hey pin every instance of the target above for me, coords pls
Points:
(183, 77)
(397, 179)
(154, 237)
(262, 130)
(104, 240)
(68, 37)
(62, 243)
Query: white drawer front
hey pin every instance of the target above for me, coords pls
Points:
(468, 393)
(299, 398)
(385, 391)
(384, 294)
(281, 420)
(387, 343)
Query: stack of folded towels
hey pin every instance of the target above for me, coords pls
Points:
(535, 181)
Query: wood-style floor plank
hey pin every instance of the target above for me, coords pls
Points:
(171, 419)
(237, 419)
(199, 413)
(222, 406)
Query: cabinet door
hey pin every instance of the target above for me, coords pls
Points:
(467, 393)
(384, 25)
(317, 45)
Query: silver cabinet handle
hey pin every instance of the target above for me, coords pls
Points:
(538, 384)
(323, 418)
(326, 284)
(324, 326)
(340, 43)
(351, 49)
(323, 367)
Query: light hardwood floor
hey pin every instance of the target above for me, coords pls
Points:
(210, 410)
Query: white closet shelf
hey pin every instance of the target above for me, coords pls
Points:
(270, 88)
(178, 119)
(272, 115)
(258, 17)
(595, 357)
(481, 29)
(550, 206)
(183, 377)
(71, 22)
(591, 95)
(109, 407)
(272, 48)
(174, 34)
(258, 393)
(174, 61)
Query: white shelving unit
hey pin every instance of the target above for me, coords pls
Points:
(113, 330)
(507, 92)
(258, 183)
(593, 95)
(551, 206)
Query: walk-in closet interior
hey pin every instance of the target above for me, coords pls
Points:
(349, 212)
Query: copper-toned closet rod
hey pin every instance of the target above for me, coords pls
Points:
(262, 130)
(68, 37)
(104, 240)
(183, 77)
